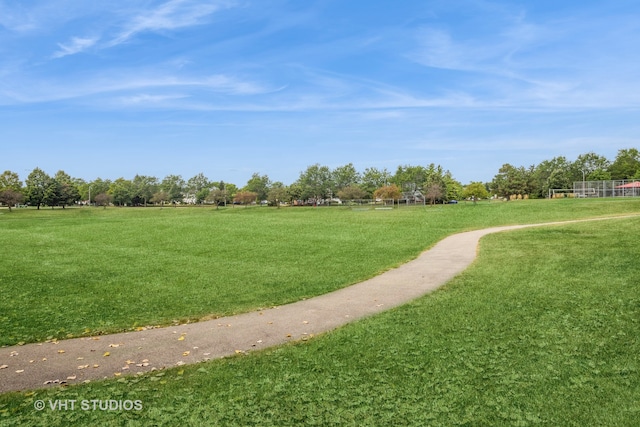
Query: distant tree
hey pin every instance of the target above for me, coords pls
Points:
(103, 199)
(198, 183)
(174, 186)
(453, 188)
(315, 182)
(217, 196)
(373, 179)
(245, 197)
(143, 189)
(159, 197)
(10, 189)
(352, 192)
(511, 180)
(626, 165)
(433, 192)
(388, 192)
(96, 187)
(259, 185)
(475, 191)
(592, 167)
(10, 181)
(344, 176)
(10, 197)
(277, 194)
(37, 187)
(122, 191)
(52, 194)
(410, 178)
(67, 188)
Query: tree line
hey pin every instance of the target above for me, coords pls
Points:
(561, 173)
(316, 183)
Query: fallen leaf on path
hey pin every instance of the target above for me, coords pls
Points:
(106, 354)
(83, 366)
(19, 371)
(181, 338)
(114, 345)
(4, 366)
(60, 351)
(72, 377)
(186, 353)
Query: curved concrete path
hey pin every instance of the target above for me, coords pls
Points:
(79, 360)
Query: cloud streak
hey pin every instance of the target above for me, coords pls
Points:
(76, 45)
(171, 15)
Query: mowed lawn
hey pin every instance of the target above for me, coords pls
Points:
(87, 271)
(541, 330)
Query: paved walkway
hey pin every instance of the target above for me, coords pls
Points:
(78, 360)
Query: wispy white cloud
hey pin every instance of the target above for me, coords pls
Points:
(171, 15)
(76, 45)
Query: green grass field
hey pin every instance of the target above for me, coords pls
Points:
(542, 329)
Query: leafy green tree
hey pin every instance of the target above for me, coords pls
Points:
(98, 186)
(67, 188)
(511, 180)
(122, 191)
(475, 191)
(592, 167)
(198, 183)
(37, 190)
(315, 182)
(344, 176)
(626, 165)
(259, 185)
(144, 187)
(52, 193)
(10, 181)
(374, 178)
(217, 196)
(277, 194)
(10, 189)
(410, 178)
(174, 186)
(453, 188)
(159, 197)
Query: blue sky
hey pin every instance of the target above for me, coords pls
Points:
(231, 87)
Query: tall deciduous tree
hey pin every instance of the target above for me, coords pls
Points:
(10, 181)
(374, 178)
(144, 187)
(345, 176)
(626, 165)
(388, 192)
(475, 191)
(258, 184)
(315, 182)
(68, 190)
(173, 185)
(122, 191)
(37, 187)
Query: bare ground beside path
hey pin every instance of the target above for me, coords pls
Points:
(74, 361)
